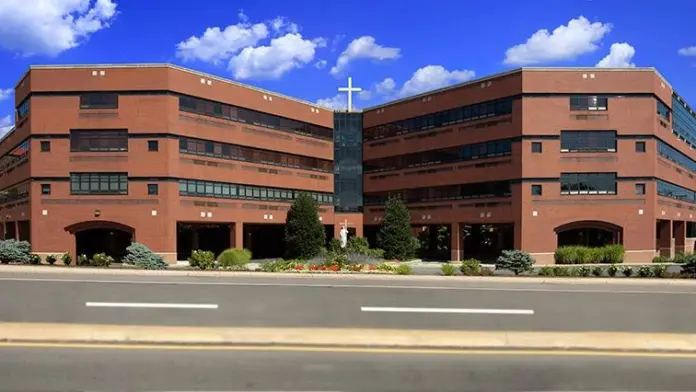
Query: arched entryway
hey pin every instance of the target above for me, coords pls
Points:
(102, 237)
(589, 233)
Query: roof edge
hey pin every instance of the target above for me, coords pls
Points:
(514, 71)
(171, 66)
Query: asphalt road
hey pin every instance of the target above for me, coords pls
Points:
(98, 369)
(328, 302)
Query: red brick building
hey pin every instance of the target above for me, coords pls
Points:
(179, 160)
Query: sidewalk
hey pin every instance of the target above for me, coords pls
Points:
(88, 271)
(313, 337)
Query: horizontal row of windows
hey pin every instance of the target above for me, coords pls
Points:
(663, 110)
(588, 183)
(99, 101)
(99, 140)
(675, 192)
(99, 183)
(17, 154)
(23, 110)
(441, 193)
(235, 113)
(588, 141)
(446, 117)
(445, 155)
(16, 192)
(242, 153)
(589, 102)
(675, 156)
(683, 122)
(235, 191)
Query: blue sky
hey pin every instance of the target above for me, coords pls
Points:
(307, 48)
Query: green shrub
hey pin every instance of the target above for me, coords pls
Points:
(612, 270)
(516, 261)
(659, 270)
(609, 254)
(34, 259)
(565, 255)
(338, 259)
(13, 251)
(141, 256)
(627, 271)
(448, 269)
(403, 269)
(203, 259)
(470, 267)
(395, 232)
(663, 259)
(613, 254)
(645, 272)
(102, 260)
(688, 267)
(279, 265)
(335, 246)
(561, 271)
(679, 258)
(584, 271)
(66, 258)
(234, 258)
(597, 271)
(304, 232)
(82, 260)
(546, 271)
(51, 259)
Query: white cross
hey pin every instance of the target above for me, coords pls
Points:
(350, 89)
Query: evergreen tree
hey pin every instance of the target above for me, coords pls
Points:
(304, 232)
(395, 236)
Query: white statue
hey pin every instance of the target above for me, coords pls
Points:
(343, 237)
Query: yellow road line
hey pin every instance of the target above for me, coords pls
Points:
(359, 350)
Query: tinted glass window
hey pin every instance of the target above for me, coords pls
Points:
(588, 141)
(229, 112)
(99, 140)
(588, 183)
(99, 183)
(440, 119)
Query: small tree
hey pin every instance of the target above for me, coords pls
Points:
(304, 232)
(395, 236)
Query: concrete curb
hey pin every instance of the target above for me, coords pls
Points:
(118, 334)
(21, 269)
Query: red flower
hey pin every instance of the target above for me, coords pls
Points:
(334, 268)
(299, 267)
(373, 267)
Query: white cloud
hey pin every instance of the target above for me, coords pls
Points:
(6, 93)
(337, 102)
(321, 64)
(5, 125)
(216, 44)
(432, 77)
(689, 51)
(50, 27)
(282, 26)
(566, 42)
(384, 88)
(620, 56)
(239, 46)
(363, 48)
(271, 62)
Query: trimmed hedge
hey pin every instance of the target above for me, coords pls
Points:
(234, 258)
(608, 254)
